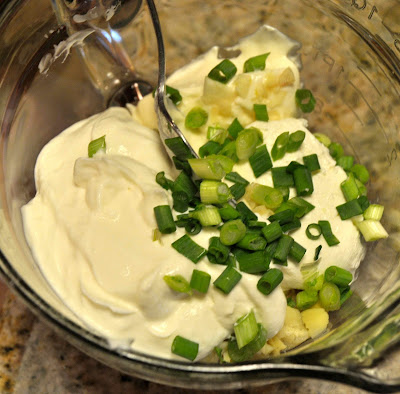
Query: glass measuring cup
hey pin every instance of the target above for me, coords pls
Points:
(350, 59)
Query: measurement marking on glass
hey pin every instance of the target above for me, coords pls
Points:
(354, 112)
(384, 73)
(369, 79)
(370, 108)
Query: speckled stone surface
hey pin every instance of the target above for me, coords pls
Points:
(33, 359)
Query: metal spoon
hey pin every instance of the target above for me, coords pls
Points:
(167, 127)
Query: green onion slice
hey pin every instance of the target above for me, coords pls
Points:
(180, 201)
(349, 188)
(374, 212)
(336, 150)
(185, 348)
(227, 280)
(270, 281)
(329, 297)
(317, 252)
(246, 329)
(313, 231)
(178, 283)
(97, 145)
(260, 161)
(178, 148)
(232, 232)
(305, 100)
(295, 141)
(303, 181)
(311, 162)
(323, 139)
(235, 128)
(261, 112)
(255, 63)
(173, 94)
(227, 212)
(306, 299)
(327, 233)
(349, 209)
(209, 148)
(297, 252)
(223, 72)
(272, 231)
(252, 241)
(237, 190)
(252, 262)
(360, 172)
(280, 146)
(338, 276)
(196, 118)
(265, 195)
(190, 249)
(200, 281)
(164, 219)
(372, 230)
(245, 213)
(247, 142)
(236, 178)
(218, 253)
(217, 134)
(213, 192)
(281, 177)
(163, 181)
(207, 215)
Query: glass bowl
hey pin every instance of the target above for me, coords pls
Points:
(350, 58)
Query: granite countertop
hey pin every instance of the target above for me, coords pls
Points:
(33, 359)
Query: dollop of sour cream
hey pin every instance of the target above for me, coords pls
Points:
(90, 226)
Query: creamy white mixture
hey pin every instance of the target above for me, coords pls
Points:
(90, 225)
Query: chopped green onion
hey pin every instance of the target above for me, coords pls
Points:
(235, 128)
(185, 348)
(299, 205)
(213, 192)
(237, 190)
(96, 145)
(266, 195)
(345, 295)
(281, 253)
(165, 221)
(207, 168)
(314, 282)
(178, 148)
(180, 201)
(293, 165)
(196, 118)
(156, 235)
(252, 241)
(336, 150)
(306, 299)
(261, 112)
(329, 297)
(218, 352)
(295, 141)
(247, 352)
(260, 161)
(226, 163)
(313, 231)
(303, 181)
(192, 227)
(327, 233)
(245, 213)
(281, 177)
(364, 203)
(338, 276)
(291, 302)
(236, 178)
(323, 139)
(184, 183)
(227, 212)
(223, 72)
(252, 262)
(200, 281)
(374, 212)
(173, 94)
(207, 216)
(164, 182)
(346, 162)
(362, 190)
(190, 249)
(218, 253)
(372, 230)
(227, 280)
(280, 146)
(297, 252)
(311, 162)
(317, 252)
(229, 150)
(349, 209)
(246, 329)
(305, 100)
(272, 231)
(232, 232)
(209, 148)
(182, 165)
(217, 134)
(256, 224)
(290, 226)
(270, 249)
(178, 283)
(270, 281)
(282, 217)
(247, 142)
(349, 188)
(285, 191)
(360, 172)
(255, 63)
